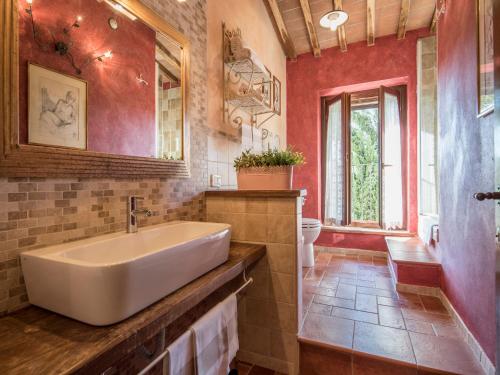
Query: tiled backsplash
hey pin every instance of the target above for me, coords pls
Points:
(39, 212)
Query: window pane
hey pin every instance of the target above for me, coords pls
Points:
(392, 217)
(365, 166)
(427, 104)
(334, 175)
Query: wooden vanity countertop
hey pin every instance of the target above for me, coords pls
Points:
(37, 341)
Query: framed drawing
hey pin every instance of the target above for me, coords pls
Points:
(485, 57)
(276, 96)
(57, 109)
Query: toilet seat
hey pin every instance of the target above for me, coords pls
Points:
(310, 223)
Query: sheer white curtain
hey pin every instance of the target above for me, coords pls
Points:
(334, 166)
(392, 215)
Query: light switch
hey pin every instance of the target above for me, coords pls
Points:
(215, 180)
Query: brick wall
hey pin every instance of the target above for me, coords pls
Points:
(37, 212)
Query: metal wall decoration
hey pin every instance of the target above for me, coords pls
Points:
(485, 57)
(247, 84)
(276, 95)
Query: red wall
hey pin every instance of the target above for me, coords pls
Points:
(389, 62)
(121, 111)
(467, 227)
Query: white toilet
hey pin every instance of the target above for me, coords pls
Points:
(310, 232)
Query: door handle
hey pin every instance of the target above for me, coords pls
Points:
(490, 195)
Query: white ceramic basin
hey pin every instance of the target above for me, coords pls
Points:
(106, 279)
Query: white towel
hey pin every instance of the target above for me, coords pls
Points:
(180, 356)
(215, 338)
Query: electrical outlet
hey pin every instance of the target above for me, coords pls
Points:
(215, 180)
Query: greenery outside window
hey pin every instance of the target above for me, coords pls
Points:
(364, 163)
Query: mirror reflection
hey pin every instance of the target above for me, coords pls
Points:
(94, 77)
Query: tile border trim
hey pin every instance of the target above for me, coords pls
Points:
(349, 251)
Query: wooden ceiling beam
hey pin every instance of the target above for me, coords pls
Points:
(370, 22)
(433, 24)
(311, 30)
(403, 18)
(280, 28)
(341, 37)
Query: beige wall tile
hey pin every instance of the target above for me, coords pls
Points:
(282, 288)
(282, 258)
(282, 206)
(255, 339)
(257, 205)
(284, 346)
(256, 228)
(281, 229)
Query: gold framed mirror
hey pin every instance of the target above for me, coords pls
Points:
(51, 124)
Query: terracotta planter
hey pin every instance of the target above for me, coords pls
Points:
(265, 178)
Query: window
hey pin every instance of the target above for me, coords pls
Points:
(428, 126)
(363, 159)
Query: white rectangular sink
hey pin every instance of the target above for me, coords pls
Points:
(106, 279)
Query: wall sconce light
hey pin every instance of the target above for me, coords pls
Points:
(121, 9)
(61, 47)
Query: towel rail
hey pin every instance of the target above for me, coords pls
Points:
(161, 356)
(247, 282)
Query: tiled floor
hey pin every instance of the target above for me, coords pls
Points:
(350, 303)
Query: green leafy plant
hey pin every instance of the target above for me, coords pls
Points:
(270, 158)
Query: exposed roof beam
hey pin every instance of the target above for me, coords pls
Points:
(311, 30)
(167, 72)
(170, 55)
(434, 20)
(337, 5)
(370, 22)
(280, 28)
(403, 18)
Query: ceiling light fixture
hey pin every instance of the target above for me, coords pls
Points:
(332, 20)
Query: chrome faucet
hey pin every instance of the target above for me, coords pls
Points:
(133, 211)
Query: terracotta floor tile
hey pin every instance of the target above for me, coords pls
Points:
(360, 316)
(346, 291)
(425, 316)
(323, 258)
(329, 283)
(433, 304)
(366, 275)
(367, 283)
(447, 330)
(349, 268)
(316, 360)
(391, 317)
(243, 368)
(419, 327)
(257, 370)
(444, 353)
(348, 281)
(376, 292)
(383, 341)
(362, 365)
(315, 274)
(332, 330)
(334, 301)
(320, 309)
(310, 282)
(307, 298)
(410, 301)
(388, 301)
(330, 292)
(384, 283)
(366, 302)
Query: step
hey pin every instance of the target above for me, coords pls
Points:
(355, 322)
(412, 262)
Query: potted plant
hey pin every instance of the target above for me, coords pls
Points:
(270, 170)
